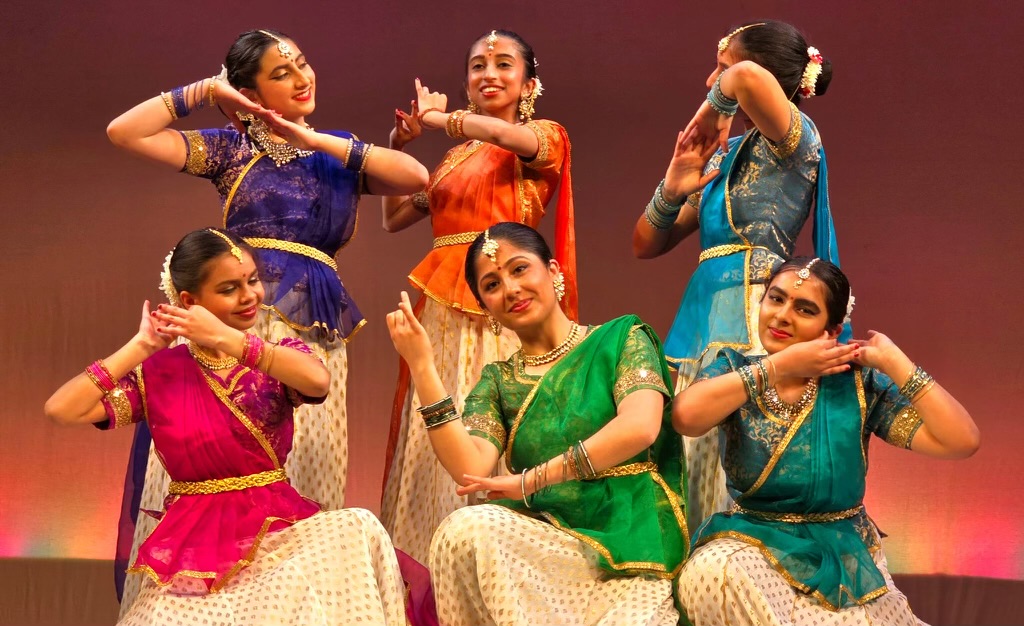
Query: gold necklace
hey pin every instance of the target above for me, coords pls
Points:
(786, 410)
(280, 153)
(540, 359)
(204, 359)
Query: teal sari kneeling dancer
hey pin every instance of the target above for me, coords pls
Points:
(589, 526)
(797, 545)
(748, 201)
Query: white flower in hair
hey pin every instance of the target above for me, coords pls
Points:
(849, 308)
(538, 88)
(166, 284)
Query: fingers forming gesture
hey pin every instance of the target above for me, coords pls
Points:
(685, 173)
(820, 357)
(709, 127)
(195, 323)
(410, 339)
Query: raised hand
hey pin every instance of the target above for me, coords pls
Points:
(407, 127)
(819, 357)
(149, 335)
(685, 174)
(302, 137)
(708, 126)
(195, 323)
(410, 339)
(876, 351)
(427, 100)
(232, 102)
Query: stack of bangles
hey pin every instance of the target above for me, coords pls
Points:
(454, 125)
(576, 465)
(719, 101)
(659, 213)
(181, 101)
(438, 413)
(755, 376)
(919, 383)
(100, 376)
(356, 154)
(253, 352)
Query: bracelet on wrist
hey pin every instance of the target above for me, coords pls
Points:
(719, 101)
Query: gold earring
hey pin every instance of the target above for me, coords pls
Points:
(472, 107)
(559, 283)
(526, 106)
(495, 326)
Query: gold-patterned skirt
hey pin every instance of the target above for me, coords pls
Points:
(492, 566)
(707, 494)
(337, 567)
(727, 581)
(317, 465)
(419, 492)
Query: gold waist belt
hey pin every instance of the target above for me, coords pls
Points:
(456, 239)
(220, 485)
(800, 518)
(628, 470)
(723, 250)
(294, 248)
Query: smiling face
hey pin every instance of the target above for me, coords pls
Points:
(286, 85)
(232, 291)
(791, 314)
(497, 79)
(517, 289)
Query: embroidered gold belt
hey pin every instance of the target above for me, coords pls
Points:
(800, 518)
(456, 239)
(630, 469)
(722, 250)
(294, 248)
(220, 485)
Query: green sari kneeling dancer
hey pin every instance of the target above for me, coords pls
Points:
(589, 525)
(798, 547)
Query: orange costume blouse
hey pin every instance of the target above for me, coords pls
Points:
(479, 184)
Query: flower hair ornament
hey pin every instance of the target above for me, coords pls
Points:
(804, 273)
(849, 308)
(811, 72)
(235, 250)
(723, 43)
(166, 284)
(490, 247)
(282, 45)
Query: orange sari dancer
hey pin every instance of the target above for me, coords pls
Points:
(508, 170)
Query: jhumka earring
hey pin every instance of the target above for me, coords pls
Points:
(803, 274)
(559, 283)
(282, 45)
(494, 325)
(473, 107)
(526, 107)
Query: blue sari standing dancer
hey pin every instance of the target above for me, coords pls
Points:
(749, 197)
(798, 547)
(292, 193)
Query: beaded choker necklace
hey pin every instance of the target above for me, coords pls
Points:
(209, 362)
(788, 411)
(540, 359)
(281, 153)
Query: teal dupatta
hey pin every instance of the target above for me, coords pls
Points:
(799, 488)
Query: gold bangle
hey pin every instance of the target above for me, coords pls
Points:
(348, 152)
(366, 155)
(213, 85)
(170, 107)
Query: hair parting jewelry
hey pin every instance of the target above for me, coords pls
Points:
(235, 250)
(811, 72)
(804, 273)
(490, 247)
(282, 46)
(723, 43)
(492, 39)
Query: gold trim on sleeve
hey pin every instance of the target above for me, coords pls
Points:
(486, 425)
(786, 146)
(196, 162)
(903, 428)
(122, 407)
(637, 379)
(542, 141)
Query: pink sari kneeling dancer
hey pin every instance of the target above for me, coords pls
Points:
(236, 543)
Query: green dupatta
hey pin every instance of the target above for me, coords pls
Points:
(631, 515)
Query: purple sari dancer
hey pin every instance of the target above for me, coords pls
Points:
(292, 192)
(236, 543)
